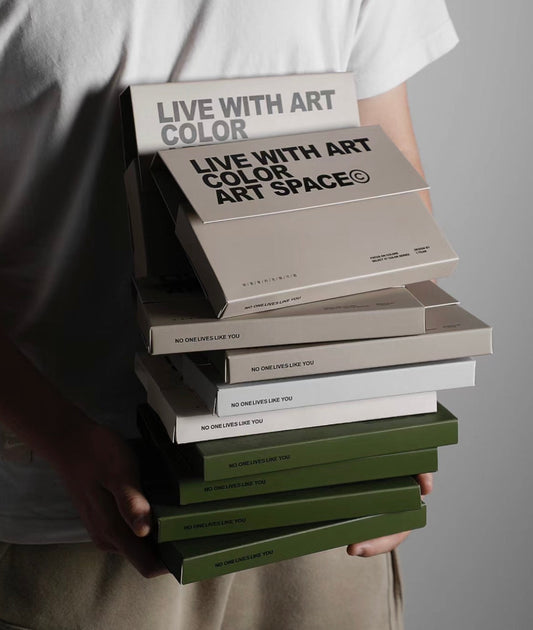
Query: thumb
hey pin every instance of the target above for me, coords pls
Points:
(132, 505)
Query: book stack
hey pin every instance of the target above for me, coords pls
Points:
(293, 397)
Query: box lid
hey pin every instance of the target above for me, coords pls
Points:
(161, 116)
(283, 174)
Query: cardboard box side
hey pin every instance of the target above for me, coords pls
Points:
(331, 290)
(199, 383)
(229, 554)
(160, 403)
(194, 490)
(286, 509)
(452, 333)
(267, 257)
(380, 439)
(374, 354)
(169, 192)
(173, 330)
(323, 389)
(200, 425)
(158, 378)
(430, 294)
(140, 267)
(188, 420)
(129, 136)
(145, 326)
(390, 242)
(184, 290)
(200, 261)
(255, 445)
(326, 291)
(156, 251)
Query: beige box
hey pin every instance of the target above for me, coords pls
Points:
(163, 116)
(451, 333)
(174, 319)
(274, 261)
(284, 174)
(340, 236)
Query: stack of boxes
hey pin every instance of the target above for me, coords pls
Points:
(315, 256)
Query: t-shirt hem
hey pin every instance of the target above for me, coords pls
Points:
(25, 531)
(417, 57)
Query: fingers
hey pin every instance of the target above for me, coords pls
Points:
(425, 481)
(373, 547)
(102, 477)
(132, 505)
(130, 520)
(111, 533)
(140, 552)
(122, 481)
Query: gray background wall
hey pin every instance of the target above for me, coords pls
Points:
(471, 567)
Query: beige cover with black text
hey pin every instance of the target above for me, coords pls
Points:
(285, 173)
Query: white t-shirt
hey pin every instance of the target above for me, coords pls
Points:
(65, 260)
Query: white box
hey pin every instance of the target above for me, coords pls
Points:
(226, 399)
(187, 419)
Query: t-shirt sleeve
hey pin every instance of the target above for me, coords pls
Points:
(394, 39)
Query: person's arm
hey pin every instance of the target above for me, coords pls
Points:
(391, 111)
(96, 465)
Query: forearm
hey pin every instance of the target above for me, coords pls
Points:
(96, 465)
(391, 111)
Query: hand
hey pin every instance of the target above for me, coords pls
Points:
(100, 472)
(373, 547)
(96, 465)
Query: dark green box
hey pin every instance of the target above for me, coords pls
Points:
(188, 488)
(285, 508)
(251, 454)
(202, 558)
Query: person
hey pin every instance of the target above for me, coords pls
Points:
(68, 392)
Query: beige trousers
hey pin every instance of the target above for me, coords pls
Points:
(78, 587)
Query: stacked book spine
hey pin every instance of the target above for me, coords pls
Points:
(292, 400)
